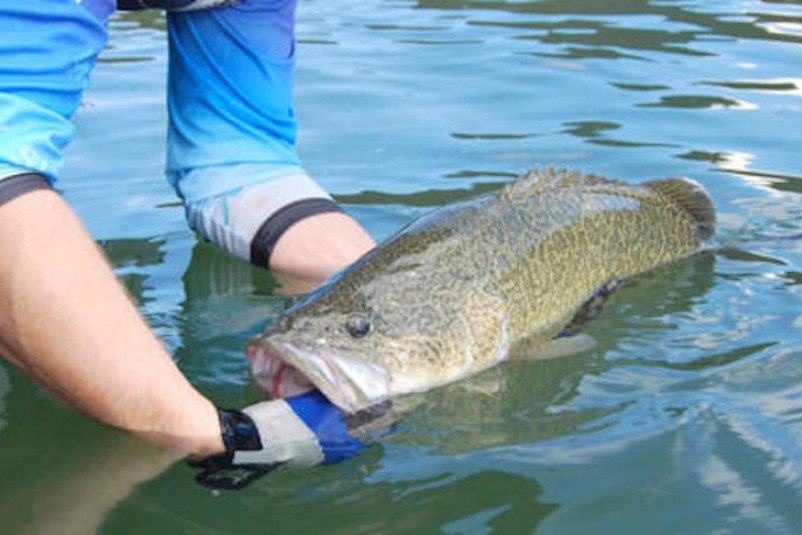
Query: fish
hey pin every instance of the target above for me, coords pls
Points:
(455, 291)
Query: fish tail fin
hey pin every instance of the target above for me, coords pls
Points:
(692, 197)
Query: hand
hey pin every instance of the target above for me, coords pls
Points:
(302, 431)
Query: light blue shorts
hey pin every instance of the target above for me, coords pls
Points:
(232, 123)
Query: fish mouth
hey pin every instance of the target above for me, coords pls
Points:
(274, 375)
(286, 369)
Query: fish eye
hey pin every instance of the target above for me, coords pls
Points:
(357, 325)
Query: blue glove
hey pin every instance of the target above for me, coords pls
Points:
(326, 421)
(304, 431)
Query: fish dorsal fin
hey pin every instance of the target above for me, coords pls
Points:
(692, 198)
(540, 179)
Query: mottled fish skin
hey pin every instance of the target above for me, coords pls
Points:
(448, 295)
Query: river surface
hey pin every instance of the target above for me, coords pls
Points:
(686, 417)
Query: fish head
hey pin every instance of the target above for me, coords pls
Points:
(312, 347)
(367, 346)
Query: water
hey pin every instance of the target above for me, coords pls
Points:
(686, 417)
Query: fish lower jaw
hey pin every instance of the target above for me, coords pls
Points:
(285, 369)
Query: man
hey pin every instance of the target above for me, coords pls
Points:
(65, 321)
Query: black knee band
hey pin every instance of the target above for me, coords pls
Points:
(14, 186)
(271, 230)
(172, 5)
(136, 5)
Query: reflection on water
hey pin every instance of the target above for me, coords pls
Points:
(153, 19)
(696, 101)
(790, 84)
(685, 416)
(639, 24)
(435, 197)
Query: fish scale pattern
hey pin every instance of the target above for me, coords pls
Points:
(451, 293)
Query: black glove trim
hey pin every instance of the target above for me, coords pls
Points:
(239, 433)
(172, 5)
(135, 5)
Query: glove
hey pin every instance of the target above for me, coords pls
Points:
(302, 431)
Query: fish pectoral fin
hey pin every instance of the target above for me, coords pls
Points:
(489, 383)
(590, 309)
(558, 347)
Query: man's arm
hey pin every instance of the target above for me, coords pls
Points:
(64, 319)
(68, 324)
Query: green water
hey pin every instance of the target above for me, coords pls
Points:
(687, 415)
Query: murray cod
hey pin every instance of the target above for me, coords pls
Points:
(451, 294)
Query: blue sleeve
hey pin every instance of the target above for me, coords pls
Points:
(47, 50)
(232, 122)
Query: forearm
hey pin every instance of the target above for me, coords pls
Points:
(67, 322)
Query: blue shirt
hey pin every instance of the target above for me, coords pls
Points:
(232, 122)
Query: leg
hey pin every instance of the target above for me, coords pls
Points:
(48, 49)
(231, 154)
(317, 247)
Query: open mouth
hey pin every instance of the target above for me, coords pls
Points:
(350, 383)
(274, 375)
